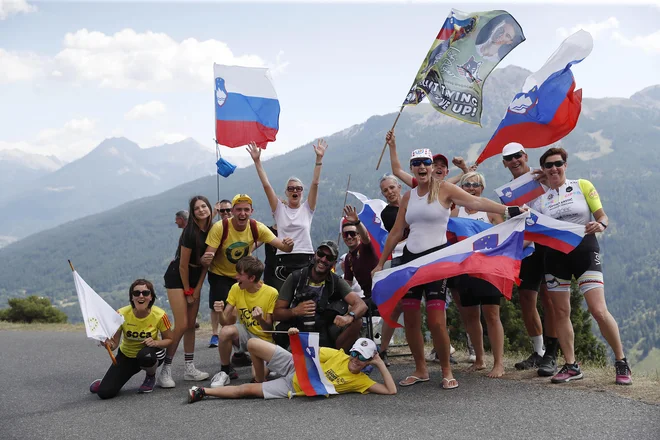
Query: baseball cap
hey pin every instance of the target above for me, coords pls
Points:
(441, 157)
(366, 347)
(422, 153)
(332, 246)
(512, 148)
(240, 198)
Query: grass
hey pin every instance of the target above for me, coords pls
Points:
(24, 326)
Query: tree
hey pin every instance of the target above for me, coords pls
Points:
(32, 309)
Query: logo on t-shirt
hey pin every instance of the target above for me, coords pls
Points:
(236, 251)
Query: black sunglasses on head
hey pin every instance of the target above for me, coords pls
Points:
(510, 157)
(321, 254)
(557, 163)
(137, 293)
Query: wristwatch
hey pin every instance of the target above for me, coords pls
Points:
(603, 224)
(351, 314)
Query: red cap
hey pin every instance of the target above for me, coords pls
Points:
(440, 156)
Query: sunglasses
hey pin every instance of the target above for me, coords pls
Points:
(294, 188)
(350, 234)
(510, 157)
(225, 210)
(471, 185)
(357, 354)
(558, 164)
(137, 293)
(321, 254)
(419, 162)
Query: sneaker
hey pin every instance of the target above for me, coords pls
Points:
(623, 372)
(94, 386)
(241, 360)
(452, 350)
(472, 357)
(165, 377)
(452, 360)
(383, 356)
(148, 384)
(548, 365)
(567, 373)
(533, 361)
(192, 373)
(214, 341)
(220, 380)
(433, 357)
(195, 394)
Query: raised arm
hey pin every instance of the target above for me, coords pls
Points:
(388, 387)
(460, 163)
(319, 149)
(227, 314)
(255, 153)
(397, 170)
(350, 214)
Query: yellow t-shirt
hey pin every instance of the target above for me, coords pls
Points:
(335, 366)
(245, 302)
(134, 330)
(236, 246)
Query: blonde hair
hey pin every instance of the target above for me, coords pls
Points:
(434, 190)
(480, 177)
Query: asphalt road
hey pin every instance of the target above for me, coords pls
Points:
(45, 379)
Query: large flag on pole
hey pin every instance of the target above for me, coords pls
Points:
(548, 107)
(465, 51)
(101, 320)
(246, 106)
(310, 375)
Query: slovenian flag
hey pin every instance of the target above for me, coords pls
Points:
(246, 106)
(370, 218)
(548, 107)
(493, 255)
(519, 191)
(556, 234)
(459, 228)
(311, 378)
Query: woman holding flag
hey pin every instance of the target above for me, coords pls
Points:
(577, 201)
(425, 211)
(293, 218)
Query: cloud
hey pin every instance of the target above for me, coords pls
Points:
(648, 43)
(594, 28)
(146, 111)
(19, 66)
(12, 7)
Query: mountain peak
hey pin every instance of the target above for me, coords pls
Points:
(650, 96)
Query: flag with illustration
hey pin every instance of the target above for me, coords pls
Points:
(465, 51)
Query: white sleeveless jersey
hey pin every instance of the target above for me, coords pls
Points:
(428, 223)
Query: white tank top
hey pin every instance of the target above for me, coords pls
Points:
(428, 223)
(296, 224)
(479, 215)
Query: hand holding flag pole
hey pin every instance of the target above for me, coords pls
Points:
(348, 184)
(392, 129)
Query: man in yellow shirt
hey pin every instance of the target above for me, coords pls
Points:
(227, 242)
(343, 370)
(247, 313)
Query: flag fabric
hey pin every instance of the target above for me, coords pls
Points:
(101, 320)
(311, 378)
(465, 51)
(225, 169)
(548, 107)
(556, 234)
(246, 106)
(370, 217)
(493, 255)
(459, 228)
(521, 190)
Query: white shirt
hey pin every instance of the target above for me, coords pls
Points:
(295, 224)
(479, 215)
(428, 223)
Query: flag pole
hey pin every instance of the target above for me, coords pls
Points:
(217, 176)
(392, 129)
(348, 184)
(107, 347)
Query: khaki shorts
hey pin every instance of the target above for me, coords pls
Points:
(282, 364)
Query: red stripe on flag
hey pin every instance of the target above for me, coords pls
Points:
(300, 364)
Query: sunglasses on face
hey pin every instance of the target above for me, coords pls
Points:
(137, 293)
(358, 355)
(471, 185)
(294, 188)
(557, 163)
(321, 254)
(349, 234)
(419, 162)
(510, 157)
(225, 210)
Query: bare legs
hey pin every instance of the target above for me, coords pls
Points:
(184, 321)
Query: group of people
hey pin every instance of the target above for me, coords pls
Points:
(297, 289)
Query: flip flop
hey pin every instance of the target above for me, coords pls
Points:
(403, 383)
(449, 384)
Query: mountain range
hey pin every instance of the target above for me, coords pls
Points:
(613, 145)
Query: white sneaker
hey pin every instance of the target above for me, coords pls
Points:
(220, 380)
(165, 377)
(192, 373)
(452, 350)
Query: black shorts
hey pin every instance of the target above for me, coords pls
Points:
(173, 276)
(585, 257)
(433, 291)
(475, 292)
(532, 270)
(219, 286)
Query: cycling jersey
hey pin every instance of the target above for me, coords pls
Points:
(575, 201)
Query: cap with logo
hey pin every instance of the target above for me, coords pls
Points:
(366, 347)
(421, 153)
(332, 246)
(241, 198)
(512, 148)
(441, 157)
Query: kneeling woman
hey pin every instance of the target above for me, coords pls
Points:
(141, 348)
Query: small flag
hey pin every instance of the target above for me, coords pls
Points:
(521, 190)
(548, 107)
(225, 169)
(310, 375)
(370, 218)
(246, 106)
(101, 320)
(555, 234)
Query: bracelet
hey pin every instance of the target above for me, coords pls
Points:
(604, 225)
(357, 222)
(318, 164)
(189, 292)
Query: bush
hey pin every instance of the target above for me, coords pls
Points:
(32, 309)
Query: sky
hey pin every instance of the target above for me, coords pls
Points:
(73, 74)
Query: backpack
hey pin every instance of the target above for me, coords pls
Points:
(324, 305)
(225, 231)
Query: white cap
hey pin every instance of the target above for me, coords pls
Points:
(422, 153)
(366, 347)
(512, 148)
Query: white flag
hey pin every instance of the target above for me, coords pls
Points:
(101, 320)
